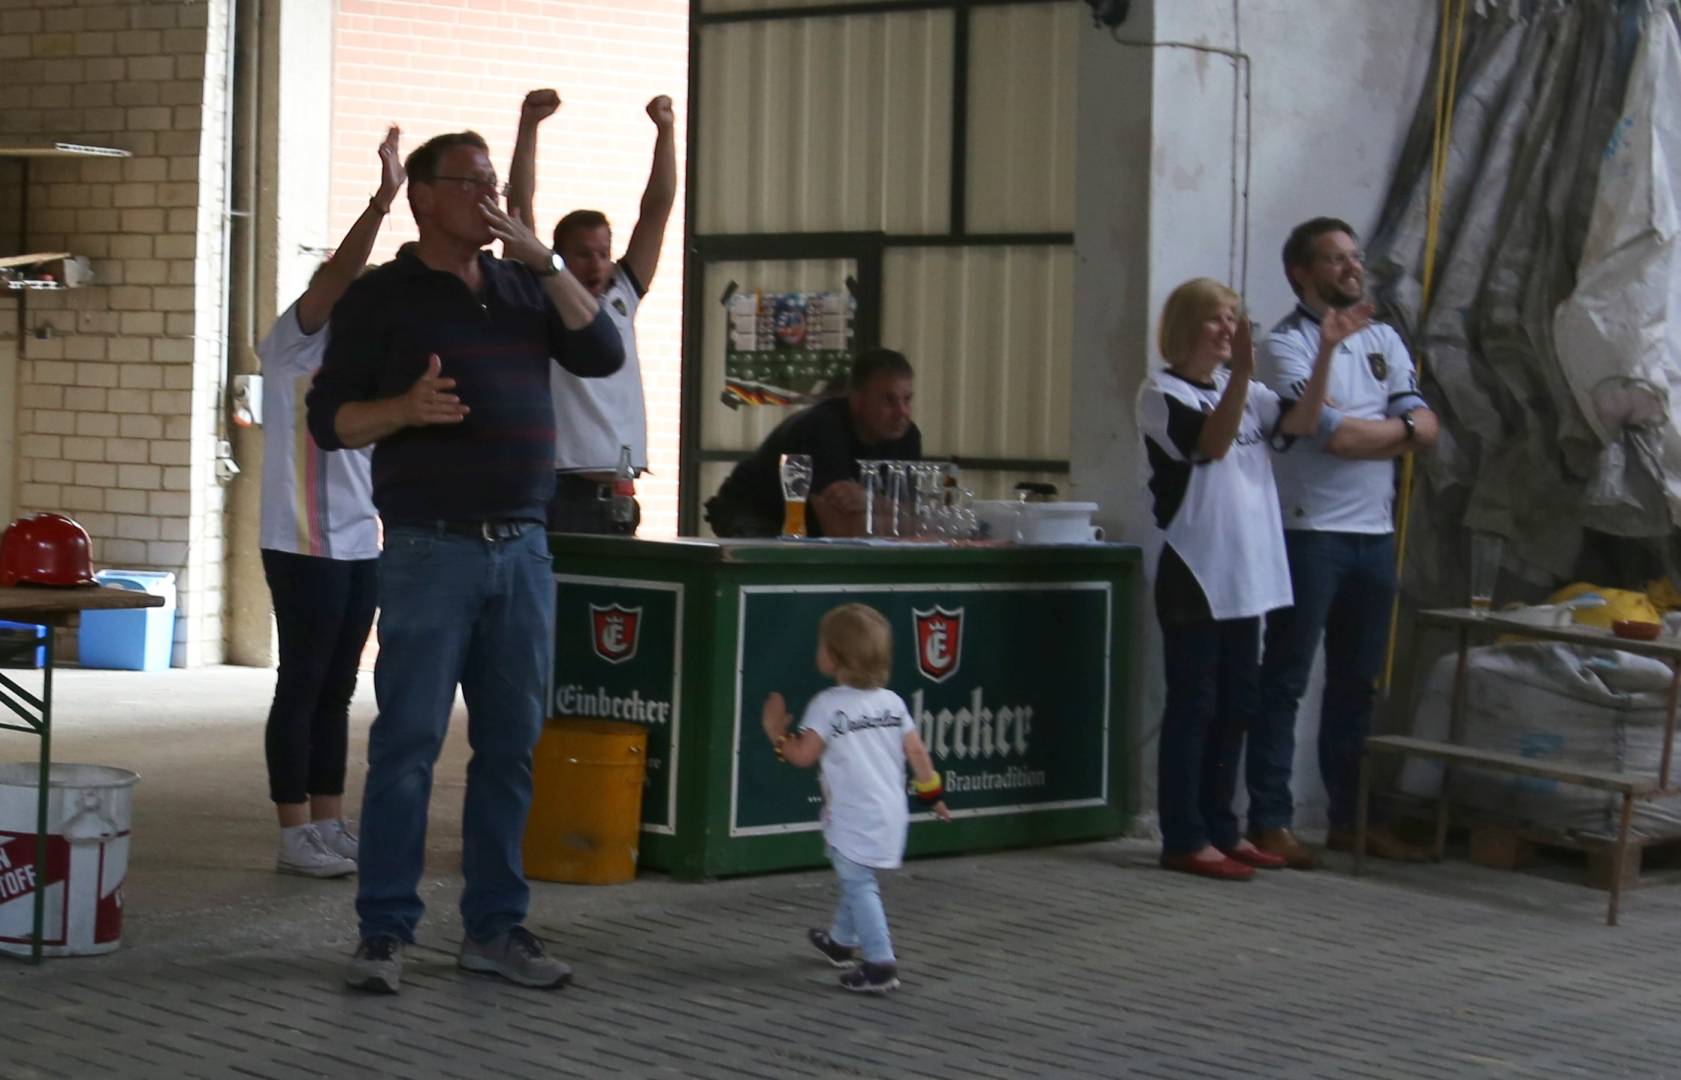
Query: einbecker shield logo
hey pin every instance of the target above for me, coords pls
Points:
(613, 631)
(939, 642)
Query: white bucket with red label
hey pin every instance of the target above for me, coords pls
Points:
(89, 808)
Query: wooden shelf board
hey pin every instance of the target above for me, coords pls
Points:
(32, 259)
(62, 150)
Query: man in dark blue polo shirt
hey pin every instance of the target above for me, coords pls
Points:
(441, 358)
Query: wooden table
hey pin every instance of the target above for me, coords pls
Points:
(50, 607)
(1629, 786)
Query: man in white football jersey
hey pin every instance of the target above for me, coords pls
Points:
(1338, 501)
(596, 418)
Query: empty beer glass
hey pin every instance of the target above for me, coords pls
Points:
(796, 485)
(930, 500)
(965, 524)
(869, 478)
(898, 497)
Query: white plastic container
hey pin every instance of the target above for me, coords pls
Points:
(89, 810)
(1060, 523)
(1038, 522)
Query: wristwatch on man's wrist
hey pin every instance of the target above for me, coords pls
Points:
(1411, 427)
(556, 265)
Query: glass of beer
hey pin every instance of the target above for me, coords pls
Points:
(796, 485)
(1487, 550)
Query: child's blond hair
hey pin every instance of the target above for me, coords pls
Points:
(860, 642)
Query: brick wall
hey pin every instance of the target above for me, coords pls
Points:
(437, 66)
(116, 386)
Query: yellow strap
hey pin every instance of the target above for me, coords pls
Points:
(1447, 89)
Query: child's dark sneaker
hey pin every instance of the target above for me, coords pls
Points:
(868, 978)
(833, 951)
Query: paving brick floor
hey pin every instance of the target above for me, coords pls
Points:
(1081, 961)
(1076, 961)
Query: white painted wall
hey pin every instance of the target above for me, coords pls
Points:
(294, 71)
(1334, 84)
(304, 104)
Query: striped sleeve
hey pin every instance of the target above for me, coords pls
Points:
(1402, 380)
(1285, 363)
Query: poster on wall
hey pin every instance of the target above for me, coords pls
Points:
(786, 348)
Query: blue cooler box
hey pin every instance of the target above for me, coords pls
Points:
(22, 645)
(138, 640)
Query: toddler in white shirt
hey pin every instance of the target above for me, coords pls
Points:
(863, 735)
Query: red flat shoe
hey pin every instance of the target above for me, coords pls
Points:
(1260, 860)
(1222, 869)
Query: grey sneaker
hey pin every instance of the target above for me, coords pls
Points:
(340, 837)
(377, 965)
(841, 956)
(303, 851)
(517, 956)
(868, 978)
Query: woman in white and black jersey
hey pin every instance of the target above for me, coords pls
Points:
(1208, 435)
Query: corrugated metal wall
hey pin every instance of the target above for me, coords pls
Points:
(845, 124)
(1021, 117)
(826, 125)
(713, 7)
(989, 331)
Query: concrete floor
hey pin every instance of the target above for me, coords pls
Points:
(1078, 961)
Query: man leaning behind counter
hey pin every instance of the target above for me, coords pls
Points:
(870, 422)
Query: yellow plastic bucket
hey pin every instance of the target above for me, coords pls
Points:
(586, 801)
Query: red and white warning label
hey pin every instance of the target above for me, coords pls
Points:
(19, 881)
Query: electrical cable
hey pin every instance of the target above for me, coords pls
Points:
(1237, 265)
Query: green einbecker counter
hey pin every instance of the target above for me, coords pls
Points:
(1017, 662)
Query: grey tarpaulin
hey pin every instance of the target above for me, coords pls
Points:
(1619, 333)
(1541, 87)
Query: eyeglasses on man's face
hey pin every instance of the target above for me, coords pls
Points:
(1343, 259)
(468, 185)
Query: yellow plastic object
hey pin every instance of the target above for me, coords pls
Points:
(586, 802)
(1664, 596)
(1619, 604)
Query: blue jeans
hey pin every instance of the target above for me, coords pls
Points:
(455, 609)
(1211, 673)
(859, 917)
(1344, 585)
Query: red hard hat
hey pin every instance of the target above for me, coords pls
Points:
(45, 549)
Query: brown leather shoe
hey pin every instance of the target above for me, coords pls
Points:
(1283, 843)
(1381, 843)
(1250, 855)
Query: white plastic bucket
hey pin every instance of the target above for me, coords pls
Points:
(89, 808)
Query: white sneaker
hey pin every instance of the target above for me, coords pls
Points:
(340, 837)
(303, 851)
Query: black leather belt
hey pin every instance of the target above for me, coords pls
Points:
(574, 485)
(492, 529)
